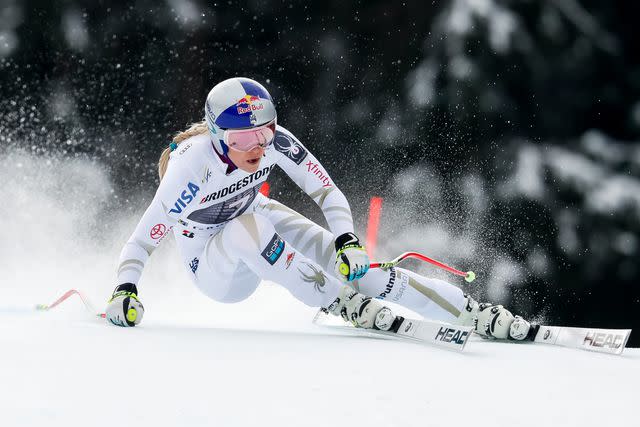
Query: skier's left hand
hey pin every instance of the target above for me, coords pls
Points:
(352, 261)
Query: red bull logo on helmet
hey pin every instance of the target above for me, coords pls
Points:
(248, 104)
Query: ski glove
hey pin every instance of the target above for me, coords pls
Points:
(124, 307)
(352, 261)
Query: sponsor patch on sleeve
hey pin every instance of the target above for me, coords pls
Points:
(274, 249)
(158, 231)
(289, 147)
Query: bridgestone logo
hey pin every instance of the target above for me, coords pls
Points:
(237, 185)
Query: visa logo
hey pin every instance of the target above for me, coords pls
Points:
(185, 198)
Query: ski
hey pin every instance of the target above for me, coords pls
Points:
(611, 341)
(418, 331)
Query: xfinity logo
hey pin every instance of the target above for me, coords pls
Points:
(314, 168)
(455, 336)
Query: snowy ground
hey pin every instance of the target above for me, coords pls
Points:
(194, 362)
(262, 362)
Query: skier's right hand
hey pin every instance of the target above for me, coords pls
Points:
(352, 261)
(124, 307)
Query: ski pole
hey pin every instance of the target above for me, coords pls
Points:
(469, 276)
(70, 292)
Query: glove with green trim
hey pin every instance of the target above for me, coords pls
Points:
(124, 307)
(352, 261)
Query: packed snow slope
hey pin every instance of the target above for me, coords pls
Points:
(195, 362)
(262, 362)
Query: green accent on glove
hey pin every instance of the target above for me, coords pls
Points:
(344, 268)
(352, 246)
(123, 294)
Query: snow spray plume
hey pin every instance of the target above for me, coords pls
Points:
(446, 220)
(67, 227)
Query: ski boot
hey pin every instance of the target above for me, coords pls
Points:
(495, 321)
(362, 311)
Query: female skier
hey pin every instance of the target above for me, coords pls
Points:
(231, 237)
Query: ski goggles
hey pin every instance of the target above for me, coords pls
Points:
(248, 139)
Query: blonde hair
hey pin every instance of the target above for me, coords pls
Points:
(195, 129)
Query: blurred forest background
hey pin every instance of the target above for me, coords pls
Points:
(502, 135)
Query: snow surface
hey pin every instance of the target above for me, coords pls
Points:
(262, 362)
(195, 362)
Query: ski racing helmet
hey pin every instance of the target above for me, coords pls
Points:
(237, 103)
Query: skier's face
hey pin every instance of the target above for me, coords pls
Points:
(248, 161)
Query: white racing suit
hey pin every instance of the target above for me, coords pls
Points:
(230, 236)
